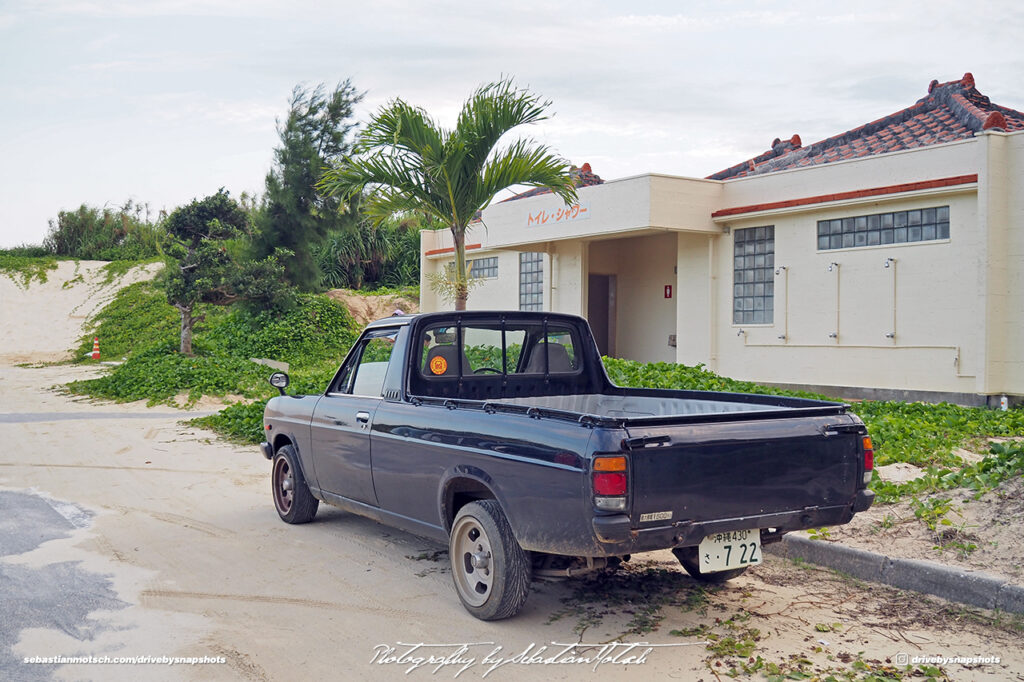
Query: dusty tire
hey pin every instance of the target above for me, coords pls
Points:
(292, 499)
(688, 558)
(491, 571)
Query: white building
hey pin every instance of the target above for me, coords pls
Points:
(885, 261)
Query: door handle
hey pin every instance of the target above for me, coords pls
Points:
(362, 417)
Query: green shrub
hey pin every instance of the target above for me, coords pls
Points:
(316, 329)
(158, 373)
(105, 234)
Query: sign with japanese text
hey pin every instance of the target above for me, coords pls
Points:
(557, 216)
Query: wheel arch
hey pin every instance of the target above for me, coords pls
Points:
(283, 439)
(461, 486)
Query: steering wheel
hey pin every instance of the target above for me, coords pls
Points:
(478, 370)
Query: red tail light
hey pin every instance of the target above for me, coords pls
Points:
(609, 484)
(869, 458)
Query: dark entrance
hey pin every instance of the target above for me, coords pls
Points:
(601, 311)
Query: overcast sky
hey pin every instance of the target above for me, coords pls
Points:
(163, 101)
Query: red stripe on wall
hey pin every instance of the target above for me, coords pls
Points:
(449, 249)
(856, 194)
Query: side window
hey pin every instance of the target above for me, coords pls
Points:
(365, 375)
(560, 348)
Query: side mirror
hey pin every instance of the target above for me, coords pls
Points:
(279, 380)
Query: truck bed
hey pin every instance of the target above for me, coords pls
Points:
(635, 404)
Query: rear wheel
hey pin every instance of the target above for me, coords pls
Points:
(294, 502)
(491, 571)
(690, 560)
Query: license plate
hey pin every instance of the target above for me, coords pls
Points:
(725, 551)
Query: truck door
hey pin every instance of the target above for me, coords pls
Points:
(343, 418)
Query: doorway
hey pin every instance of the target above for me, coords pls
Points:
(601, 311)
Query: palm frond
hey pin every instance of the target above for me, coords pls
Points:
(525, 163)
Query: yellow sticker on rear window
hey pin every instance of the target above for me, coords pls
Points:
(438, 365)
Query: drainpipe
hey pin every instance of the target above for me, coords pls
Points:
(553, 287)
(834, 267)
(890, 263)
(784, 271)
(712, 306)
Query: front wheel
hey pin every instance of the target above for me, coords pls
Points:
(690, 560)
(294, 502)
(490, 569)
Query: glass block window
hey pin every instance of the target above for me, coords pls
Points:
(753, 281)
(898, 227)
(484, 267)
(531, 280)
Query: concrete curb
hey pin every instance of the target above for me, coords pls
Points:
(955, 584)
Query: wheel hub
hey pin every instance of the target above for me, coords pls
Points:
(480, 560)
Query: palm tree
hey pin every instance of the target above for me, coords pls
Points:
(408, 164)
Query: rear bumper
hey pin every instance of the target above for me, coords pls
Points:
(617, 537)
(267, 449)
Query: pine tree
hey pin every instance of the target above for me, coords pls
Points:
(294, 216)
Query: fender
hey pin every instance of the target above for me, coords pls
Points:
(288, 438)
(470, 473)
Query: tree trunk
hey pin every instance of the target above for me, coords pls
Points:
(187, 321)
(461, 284)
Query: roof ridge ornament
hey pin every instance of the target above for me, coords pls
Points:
(994, 121)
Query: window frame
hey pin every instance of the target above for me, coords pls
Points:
(533, 289)
(870, 229)
(350, 368)
(753, 282)
(492, 265)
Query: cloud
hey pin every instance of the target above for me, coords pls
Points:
(154, 8)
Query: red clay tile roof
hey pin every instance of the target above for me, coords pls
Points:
(583, 177)
(951, 111)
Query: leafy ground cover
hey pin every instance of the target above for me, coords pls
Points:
(24, 264)
(141, 326)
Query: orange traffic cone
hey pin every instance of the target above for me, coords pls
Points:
(96, 348)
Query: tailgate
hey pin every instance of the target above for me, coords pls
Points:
(707, 472)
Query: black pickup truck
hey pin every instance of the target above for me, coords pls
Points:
(501, 434)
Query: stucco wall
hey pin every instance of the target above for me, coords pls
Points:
(1004, 208)
(645, 318)
(938, 323)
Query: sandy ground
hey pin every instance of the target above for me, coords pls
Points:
(182, 531)
(983, 533)
(42, 321)
(366, 309)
